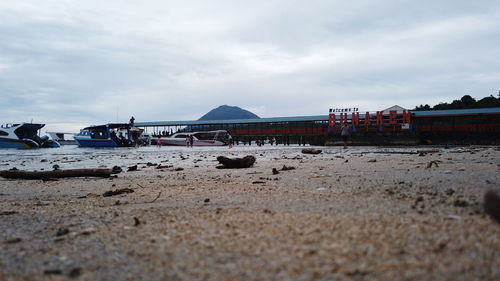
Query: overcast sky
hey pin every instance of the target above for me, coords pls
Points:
(70, 64)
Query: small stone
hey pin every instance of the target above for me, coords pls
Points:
(206, 200)
(52, 272)
(460, 203)
(75, 272)
(449, 192)
(62, 231)
(88, 231)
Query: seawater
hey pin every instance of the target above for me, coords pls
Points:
(74, 157)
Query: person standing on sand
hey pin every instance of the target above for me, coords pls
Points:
(344, 133)
(191, 140)
(230, 141)
(158, 141)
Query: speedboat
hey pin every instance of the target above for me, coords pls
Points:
(206, 138)
(24, 135)
(109, 135)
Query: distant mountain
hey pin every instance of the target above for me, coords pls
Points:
(226, 112)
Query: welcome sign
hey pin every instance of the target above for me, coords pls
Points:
(375, 118)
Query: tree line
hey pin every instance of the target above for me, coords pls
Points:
(465, 102)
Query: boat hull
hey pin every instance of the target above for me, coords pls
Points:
(95, 142)
(19, 144)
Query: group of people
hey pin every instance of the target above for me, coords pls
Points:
(189, 141)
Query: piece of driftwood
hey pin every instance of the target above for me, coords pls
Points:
(231, 163)
(117, 192)
(72, 173)
(311, 151)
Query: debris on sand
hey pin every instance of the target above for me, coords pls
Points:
(311, 151)
(13, 240)
(372, 160)
(275, 171)
(434, 162)
(164, 166)
(460, 203)
(117, 192)
(287, 168)
(132, 168)
(232, 163)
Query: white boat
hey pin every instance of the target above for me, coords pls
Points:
(63, 138)
(206, 138)
(24, 135)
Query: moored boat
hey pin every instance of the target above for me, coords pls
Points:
(205, 138)
(63, 138)
(109, 135)
(24, 135)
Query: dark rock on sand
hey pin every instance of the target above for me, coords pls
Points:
(311, 151)
(492, 204)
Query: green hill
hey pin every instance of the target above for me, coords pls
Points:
(226, 112)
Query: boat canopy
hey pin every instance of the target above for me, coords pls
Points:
(109, 125)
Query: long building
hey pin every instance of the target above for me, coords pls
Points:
(460, 126)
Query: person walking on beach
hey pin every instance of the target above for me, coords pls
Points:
(344, 133)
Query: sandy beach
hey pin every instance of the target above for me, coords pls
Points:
(362, 213)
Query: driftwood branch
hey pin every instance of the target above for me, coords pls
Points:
(72, 173)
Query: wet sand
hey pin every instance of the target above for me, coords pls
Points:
(355, 214)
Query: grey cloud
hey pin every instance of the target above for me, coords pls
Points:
(87, 62)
